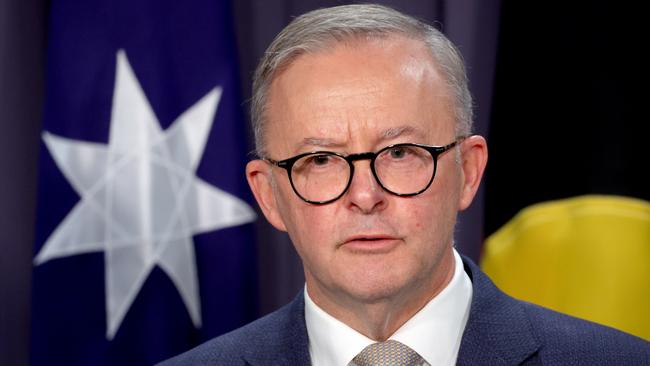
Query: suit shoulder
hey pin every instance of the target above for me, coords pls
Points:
(564, 335)
(229, 349)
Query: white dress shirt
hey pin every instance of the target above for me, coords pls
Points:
(434, 332)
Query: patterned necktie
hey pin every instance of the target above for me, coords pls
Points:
(389, 353)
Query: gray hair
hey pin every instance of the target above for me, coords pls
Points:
(315, 30)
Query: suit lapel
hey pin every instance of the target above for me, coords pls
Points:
(498, 331)
(285, 340)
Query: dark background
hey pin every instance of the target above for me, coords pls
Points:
(553, 94)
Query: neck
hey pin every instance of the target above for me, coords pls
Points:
(378, 318)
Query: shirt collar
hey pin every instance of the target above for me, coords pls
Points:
(434, 332)
(331, 342)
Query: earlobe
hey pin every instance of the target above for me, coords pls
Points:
(258, 174)
(474, 159)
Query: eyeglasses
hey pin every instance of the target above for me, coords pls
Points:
(322, 177)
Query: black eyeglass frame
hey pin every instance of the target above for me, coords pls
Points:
(435, 151)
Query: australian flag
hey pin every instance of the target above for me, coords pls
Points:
(144, 244)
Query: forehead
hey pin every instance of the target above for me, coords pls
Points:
(359, 91)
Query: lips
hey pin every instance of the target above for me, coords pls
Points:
(371, 243)
(369, 237)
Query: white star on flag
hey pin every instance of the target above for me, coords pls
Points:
(141, 201)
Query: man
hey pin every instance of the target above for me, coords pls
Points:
(362, 118)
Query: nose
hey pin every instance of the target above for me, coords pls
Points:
(365, 194)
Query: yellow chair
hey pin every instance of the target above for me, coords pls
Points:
(587, 256)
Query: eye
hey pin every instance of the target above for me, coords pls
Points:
(399, 152)
(320, 160)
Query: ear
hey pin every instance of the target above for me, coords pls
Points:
(474, 158)
(260, 179)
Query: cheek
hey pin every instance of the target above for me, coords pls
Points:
(313, 234)
(419, 216)
(433, 216)
(313, 223)
(426, 224)
(310, 227)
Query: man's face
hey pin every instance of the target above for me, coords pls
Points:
(357, 97)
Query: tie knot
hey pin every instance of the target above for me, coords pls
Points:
(389, 353)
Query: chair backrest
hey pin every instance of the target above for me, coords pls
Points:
(587, 256)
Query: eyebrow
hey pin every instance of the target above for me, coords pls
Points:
(394, 132)
(388, 134)
(320, 142)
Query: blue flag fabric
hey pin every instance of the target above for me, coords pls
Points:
(144, 243)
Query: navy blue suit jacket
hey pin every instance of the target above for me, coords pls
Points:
(500, 331)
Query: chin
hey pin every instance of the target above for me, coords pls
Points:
(372, 289)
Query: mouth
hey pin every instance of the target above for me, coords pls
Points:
(375, 244)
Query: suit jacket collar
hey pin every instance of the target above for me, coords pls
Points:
(498, 331)
(285, 340)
